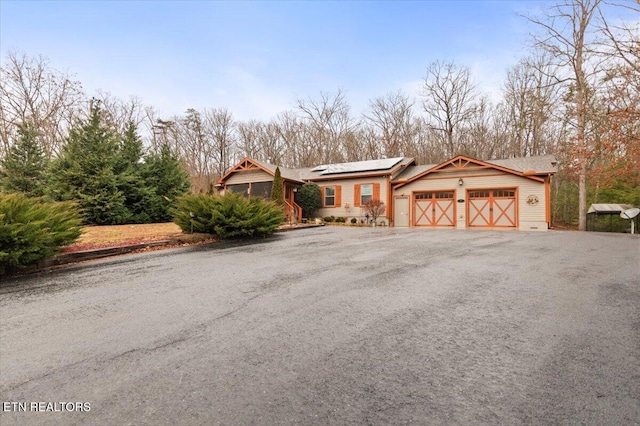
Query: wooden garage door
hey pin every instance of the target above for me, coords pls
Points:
(492, 208)
(434, 209)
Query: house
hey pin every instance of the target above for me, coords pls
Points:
(459, 193)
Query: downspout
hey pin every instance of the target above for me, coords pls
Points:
(547, 190)
(389, 202)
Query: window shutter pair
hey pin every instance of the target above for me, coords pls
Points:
(337, 196)
(358, 193)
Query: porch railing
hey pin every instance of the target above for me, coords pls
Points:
(294, 212)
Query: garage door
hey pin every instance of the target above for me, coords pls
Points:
(492, 208)
(434, 209)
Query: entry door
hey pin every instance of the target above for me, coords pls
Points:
(434, 209)
(492, 208)
(401, 212)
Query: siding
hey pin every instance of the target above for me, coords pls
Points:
(348, 195)
(529, 217)
(249, 176)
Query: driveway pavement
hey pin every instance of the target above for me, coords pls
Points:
(333, 326)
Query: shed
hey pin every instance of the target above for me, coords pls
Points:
(606, 217)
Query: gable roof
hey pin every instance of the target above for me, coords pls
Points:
(529, 167)
(252, 164)
(402, 170)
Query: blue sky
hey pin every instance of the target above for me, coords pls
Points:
(256, 58)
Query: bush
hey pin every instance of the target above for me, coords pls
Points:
(354, 220)
(228, 216)
(329, 219)
(340, 219)
(32, 230)
(309, 198)
(201, 206)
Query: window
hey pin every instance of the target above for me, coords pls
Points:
(366, 194)
(329, 196)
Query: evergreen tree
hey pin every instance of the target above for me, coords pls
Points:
(129, 170)
(165, 174)
(85, 172)
(277, 190)
(23, 168)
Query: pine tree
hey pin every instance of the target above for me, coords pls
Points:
(129, 170)
(85, 172)
(165, 174)
(22, 170)
(277, 190)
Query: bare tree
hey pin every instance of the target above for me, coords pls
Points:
(290, 130)
(391, 118)
(219, 126)
(118, 113)
(249, 138)
(271, 143)
(567, 34)
(449, 100)
(623, 39)
(30, 90)
(329, 119)
(530, 99)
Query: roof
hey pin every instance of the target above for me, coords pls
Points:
(608, 208)
(385, 166)
(401, 169)
(289, 174)
(413, 171)
(529, 167)
(541, 164)
(357, 166)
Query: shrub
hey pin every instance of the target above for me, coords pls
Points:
(354, 220)
(237, 216)
(228, 216)
(309, 198)
(32, 230)
(340, 219)
(329, 219)
(201, 207)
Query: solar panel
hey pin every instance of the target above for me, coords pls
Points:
(359, 166)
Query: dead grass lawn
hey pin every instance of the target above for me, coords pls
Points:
(98, 237)
(125, 233)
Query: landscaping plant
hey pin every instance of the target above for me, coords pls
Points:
(32, 230)
(228, 216)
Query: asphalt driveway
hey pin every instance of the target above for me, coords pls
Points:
(333, 326)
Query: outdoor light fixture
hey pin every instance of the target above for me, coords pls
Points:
(460, 182)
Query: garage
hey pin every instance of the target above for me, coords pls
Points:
(465, 193)
(434, 208)
(492, 208)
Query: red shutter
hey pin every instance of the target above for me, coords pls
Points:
(338, 193)
(322, 195)
(356, 196)
(376, 192)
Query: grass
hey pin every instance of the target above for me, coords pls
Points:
(95, 237)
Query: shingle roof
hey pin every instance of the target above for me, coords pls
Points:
(412, 171)
(541, 164)
(290, 174)
(402, 166)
